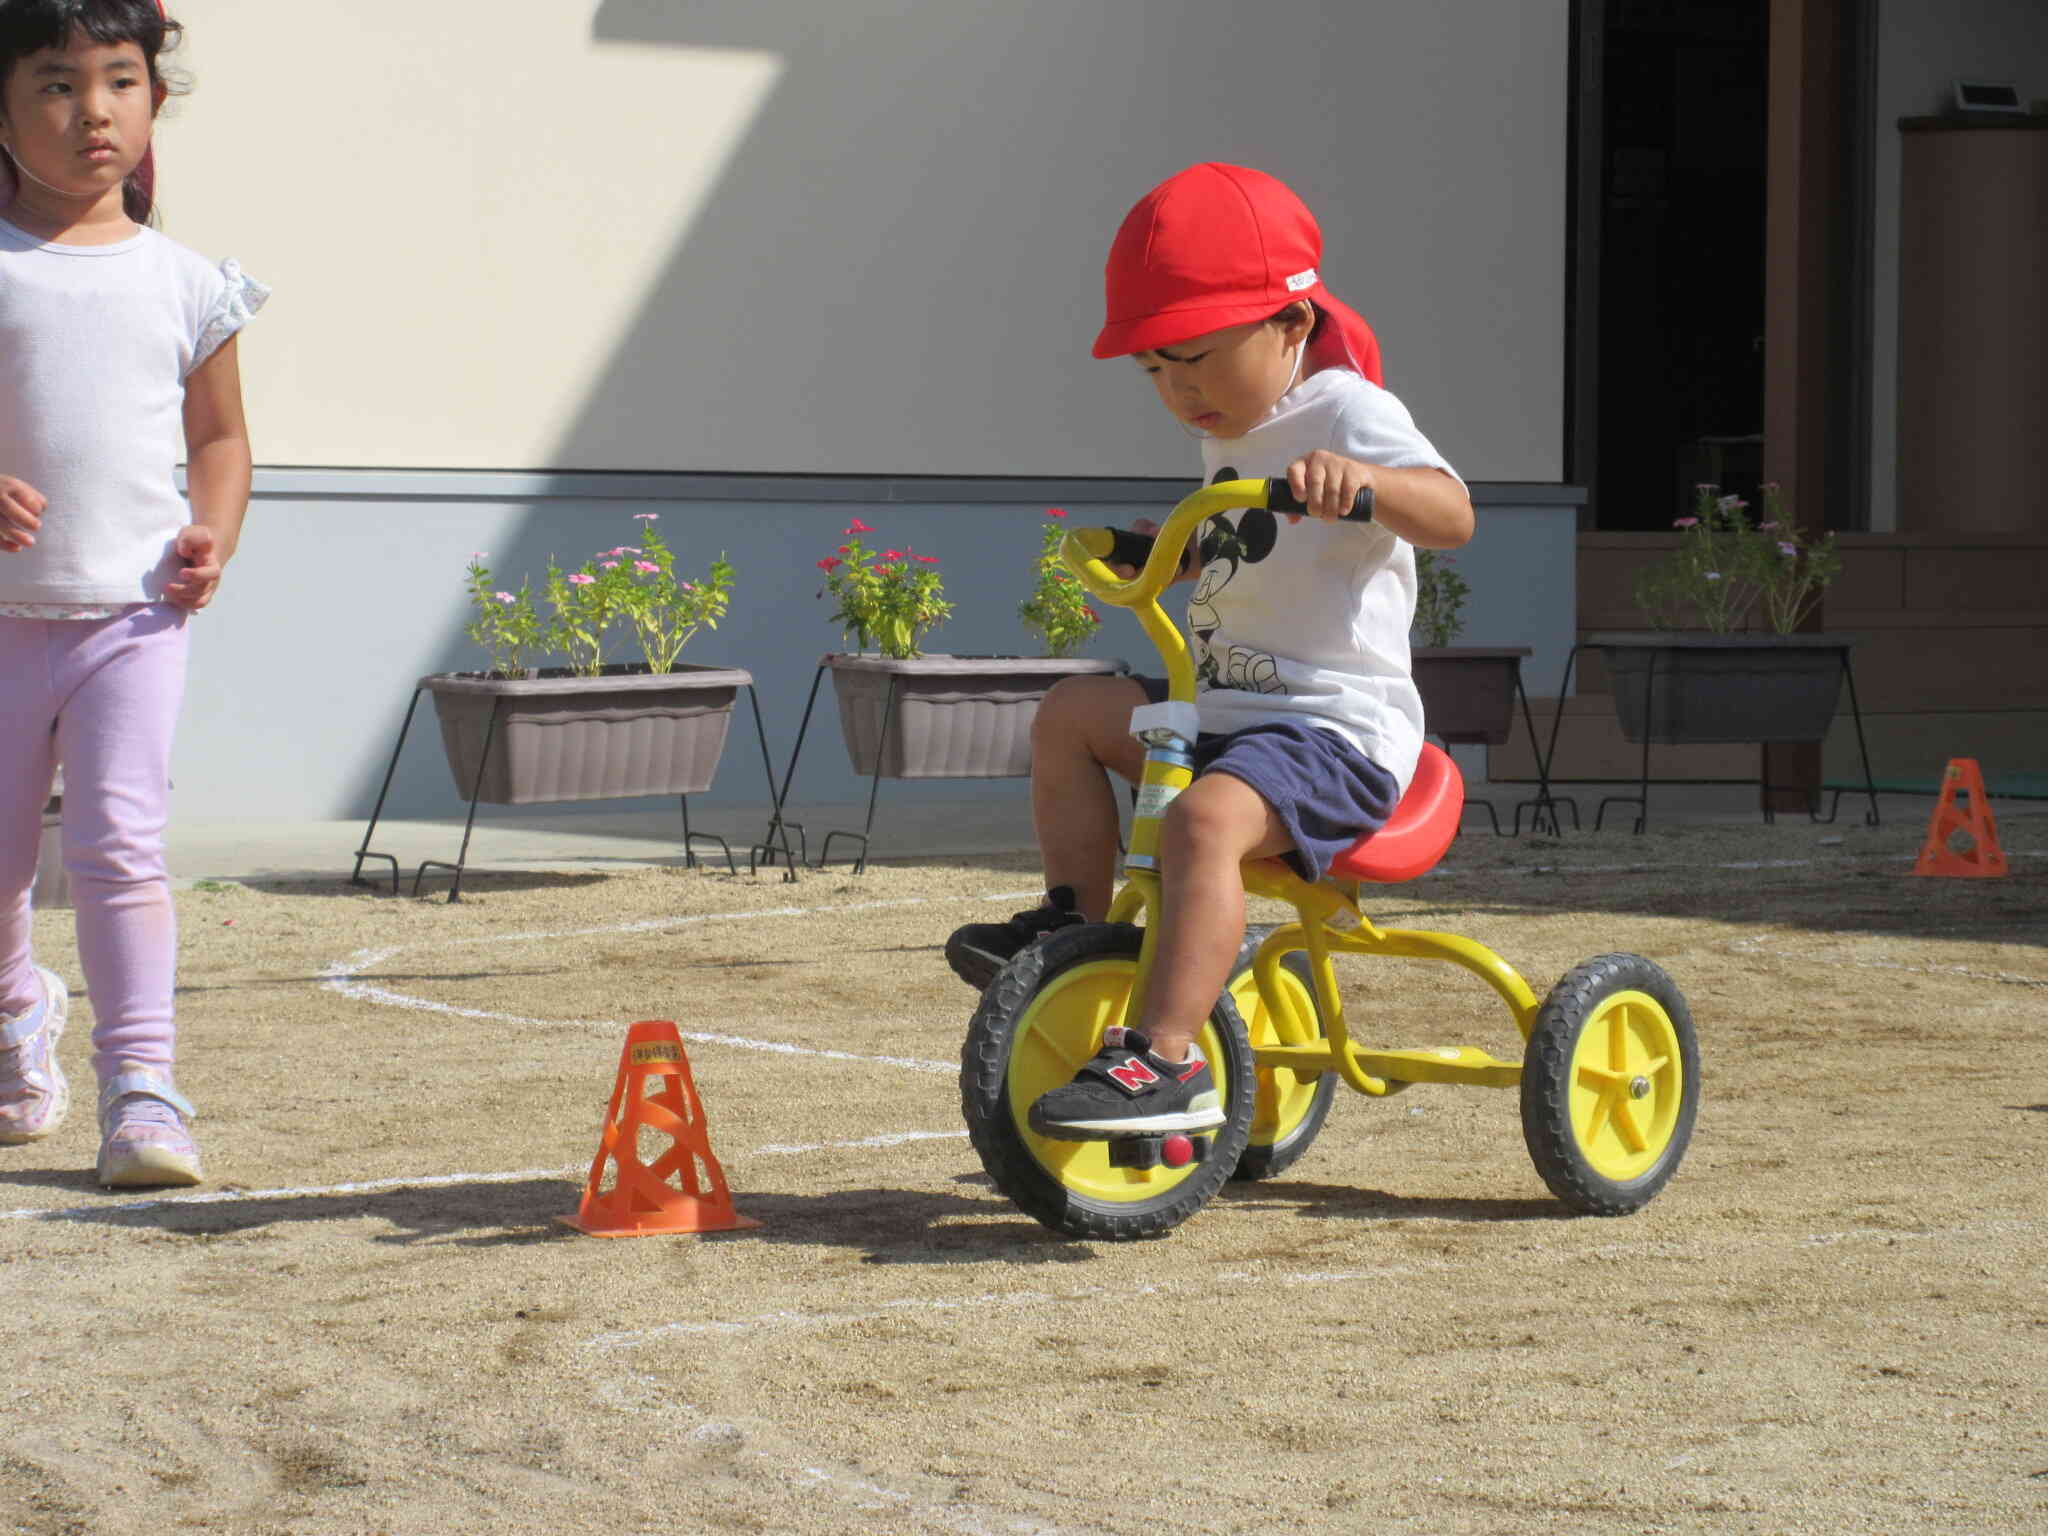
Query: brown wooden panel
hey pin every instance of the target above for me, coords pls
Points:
(2012, 580)
(1898, 670)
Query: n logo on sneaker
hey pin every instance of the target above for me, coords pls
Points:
(1132, 1075)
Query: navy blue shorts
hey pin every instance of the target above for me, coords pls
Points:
(1326, 792)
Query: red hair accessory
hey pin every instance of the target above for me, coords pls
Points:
(1215, 246)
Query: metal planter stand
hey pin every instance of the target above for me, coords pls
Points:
(1641, 798)
(690, 837)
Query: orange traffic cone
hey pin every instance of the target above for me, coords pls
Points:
(1981, 857)
(681, 1190)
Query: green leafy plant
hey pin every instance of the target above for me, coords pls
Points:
(633, 587)
(1058, 605)
(1725, 566)
(504, 624)
(665, 613)
(889, 600)
(1440, 593)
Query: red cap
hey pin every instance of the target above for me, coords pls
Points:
(1215, 246)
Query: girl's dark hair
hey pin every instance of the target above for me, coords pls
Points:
(30, 26)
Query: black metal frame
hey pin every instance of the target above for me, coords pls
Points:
(476, 788)
(1544, 803)
(1641, 798)
(783, 828)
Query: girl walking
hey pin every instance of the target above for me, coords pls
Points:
(117, 359)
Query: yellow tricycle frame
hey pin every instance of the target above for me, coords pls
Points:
(1329, 920)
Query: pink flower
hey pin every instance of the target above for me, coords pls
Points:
(1055, 511)
(1766, 527)
(830, 563)
(1686, 522)
(1731, 503)
(846, 549)
(479, 554)
(611, 565)
(645, 567)
(858, 526)
(579, 579)
(1772, 487)
(689, 586)
(1788, 549)
(929, 559)
(892, 554)
(645, 517)
(505, 597)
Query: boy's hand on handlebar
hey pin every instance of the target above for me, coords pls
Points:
(1189, 560)
(21, 514)
(1328, 482)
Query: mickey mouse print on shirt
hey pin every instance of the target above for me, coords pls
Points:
(1226, 549)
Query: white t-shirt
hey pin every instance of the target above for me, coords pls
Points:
(96, 342)
(1309, 621)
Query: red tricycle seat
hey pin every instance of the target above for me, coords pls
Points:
(1421, 828)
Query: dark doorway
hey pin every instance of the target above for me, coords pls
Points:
(1668, 251)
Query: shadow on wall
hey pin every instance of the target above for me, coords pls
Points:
(899, 270)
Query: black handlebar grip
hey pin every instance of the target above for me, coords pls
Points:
(1280, 497)
(1128, 548)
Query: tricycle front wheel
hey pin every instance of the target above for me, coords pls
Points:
(1610, 1085)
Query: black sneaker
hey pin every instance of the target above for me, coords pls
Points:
(1125, 1090)
(977, 951)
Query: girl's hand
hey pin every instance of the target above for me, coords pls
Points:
(194, 586)
(1328, 482)
(21, 514)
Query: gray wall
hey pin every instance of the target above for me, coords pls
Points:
(349, 587)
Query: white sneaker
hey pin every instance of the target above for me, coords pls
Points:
(34, 1097)
(143, 1140)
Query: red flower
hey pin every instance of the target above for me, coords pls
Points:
(1055, 511)
(846, 549)
(859, 527)
(830, 563)
(892, 554)
(929, 559)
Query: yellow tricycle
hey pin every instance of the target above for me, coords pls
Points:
(1608, 1071)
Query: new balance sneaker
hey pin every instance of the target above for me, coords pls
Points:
(34, 1097)
(1124, 1089)
(977, 951)
(143, 1140)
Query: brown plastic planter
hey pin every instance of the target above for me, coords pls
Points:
(956, 717)
(1468, 691)
(558, 736)
(1685, 688)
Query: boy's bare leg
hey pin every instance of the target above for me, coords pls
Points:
(1215, 824)
(1080, 736)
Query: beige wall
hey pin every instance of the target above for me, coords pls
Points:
(851, 236)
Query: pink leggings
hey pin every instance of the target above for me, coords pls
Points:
(101, 696)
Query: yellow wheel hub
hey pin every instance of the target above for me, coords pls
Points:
(1284, 1096)
(1059, 1031)
(1627, 1085)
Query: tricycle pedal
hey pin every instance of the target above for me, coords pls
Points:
(1177, 1150)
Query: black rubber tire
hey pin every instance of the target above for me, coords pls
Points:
(1264, 1159)
(1011, 1153)
(1556, 1136)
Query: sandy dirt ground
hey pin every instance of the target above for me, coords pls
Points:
(1834, 1320)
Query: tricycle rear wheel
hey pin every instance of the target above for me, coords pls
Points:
(1610, 1085)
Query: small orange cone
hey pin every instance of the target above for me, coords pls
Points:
(667, 1194)
(1982, 858)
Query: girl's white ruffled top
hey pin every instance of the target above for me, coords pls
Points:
(96, 342)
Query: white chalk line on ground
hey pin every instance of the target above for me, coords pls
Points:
(2004, 978)
(432, 1180)
(995, 1301)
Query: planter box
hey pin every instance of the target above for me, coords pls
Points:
(1753, 688)
(957, 717)
(558, 736)
(1468, 691)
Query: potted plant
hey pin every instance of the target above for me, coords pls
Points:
(1468, 691)
(1727, 681)
(907, 715)
(518, 734)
